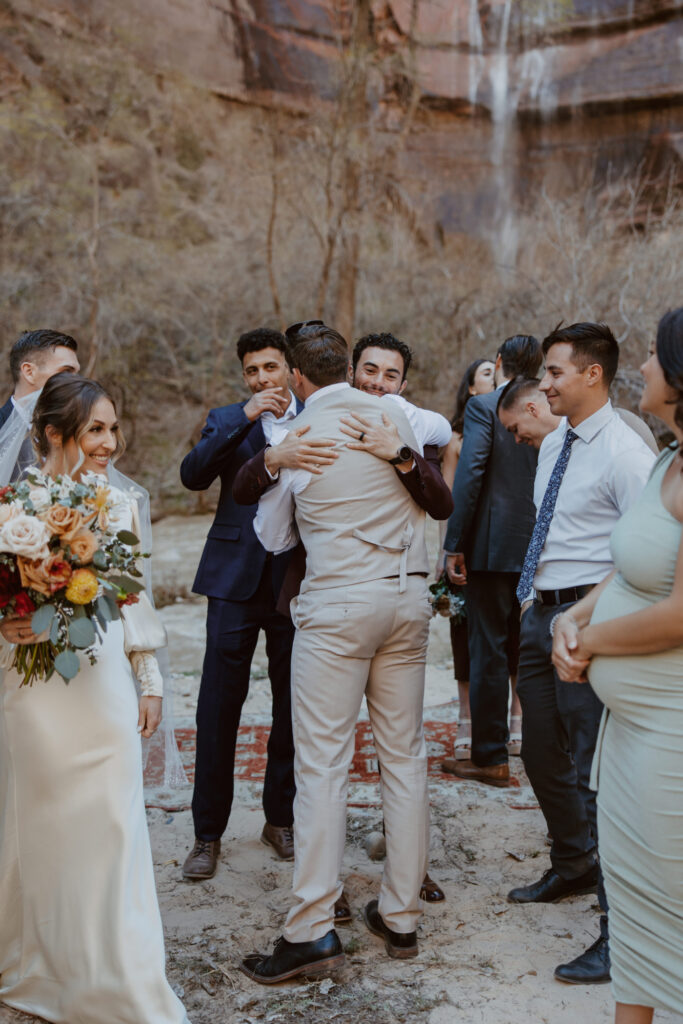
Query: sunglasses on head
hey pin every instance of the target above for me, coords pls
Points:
(294, 329)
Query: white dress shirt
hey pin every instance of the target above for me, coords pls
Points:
(274, 521)
(608, 468)
(269, 421)
(429, 427)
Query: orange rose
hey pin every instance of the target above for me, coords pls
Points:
(83, 546)
(46, 575)
(33, 574)
(63, 521)
(58, 570)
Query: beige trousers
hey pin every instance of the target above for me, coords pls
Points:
(362, 639)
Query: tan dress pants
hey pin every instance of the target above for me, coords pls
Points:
(364, 639)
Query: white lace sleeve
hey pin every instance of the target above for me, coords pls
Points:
(148, 673)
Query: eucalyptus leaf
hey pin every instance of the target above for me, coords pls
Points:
(81, 633)
(102, 609)
(54, 630)
(78, 612)
(128, 584)
(101, 620)
(67, 664)
(126, 537)
(42, 618)
(113, 607)
(99, 559)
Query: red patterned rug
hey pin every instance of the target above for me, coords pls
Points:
(250, 758)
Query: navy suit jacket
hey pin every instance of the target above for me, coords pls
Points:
(233, 559)
(493, 492)
(6, 411)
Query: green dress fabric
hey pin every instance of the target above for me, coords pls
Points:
(638, 766)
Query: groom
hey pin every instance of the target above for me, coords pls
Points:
(362, 620)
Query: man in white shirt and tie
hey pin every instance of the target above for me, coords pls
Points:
(590, 469)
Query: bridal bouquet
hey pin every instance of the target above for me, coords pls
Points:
(64, 562)
(448, 600)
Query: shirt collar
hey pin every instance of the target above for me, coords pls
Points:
(589, 428)
(325, 391)
(288, 414)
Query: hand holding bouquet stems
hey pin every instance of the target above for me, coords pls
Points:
(65, 570)
(448, 600)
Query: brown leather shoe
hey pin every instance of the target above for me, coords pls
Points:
(492, 775)
(430, 892)
(202, 860)
(342, 910)
(281, 840)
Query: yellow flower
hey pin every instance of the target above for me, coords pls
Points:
(83, 587)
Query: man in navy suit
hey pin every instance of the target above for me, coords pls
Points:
(35, 357)
(242, 582)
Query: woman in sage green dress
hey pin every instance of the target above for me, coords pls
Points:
(627, 635)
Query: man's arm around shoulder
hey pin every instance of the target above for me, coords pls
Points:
(426, 485)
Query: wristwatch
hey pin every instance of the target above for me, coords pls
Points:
(404, 454)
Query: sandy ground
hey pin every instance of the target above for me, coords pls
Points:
(482, 960)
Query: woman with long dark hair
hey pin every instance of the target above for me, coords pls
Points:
(628, 635)
(81, 940)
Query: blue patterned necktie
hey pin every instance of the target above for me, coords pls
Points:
(543, 519)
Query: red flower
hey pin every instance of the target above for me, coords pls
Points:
(23, 605)
(130, 599)
(6, 490)
(10, 583)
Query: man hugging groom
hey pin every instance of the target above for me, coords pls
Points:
(362, 621)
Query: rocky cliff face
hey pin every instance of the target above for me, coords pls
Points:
(514, 95)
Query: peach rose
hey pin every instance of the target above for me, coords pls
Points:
(83, 546)
(26, 536)
(63, 521)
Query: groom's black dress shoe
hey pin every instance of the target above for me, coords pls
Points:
(591, 968)
(290, 959)
(399, 945)
(551, 887)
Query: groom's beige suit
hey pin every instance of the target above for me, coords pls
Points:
(362, 622)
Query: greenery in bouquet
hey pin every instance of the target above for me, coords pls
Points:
(65, 562)
(448, 600)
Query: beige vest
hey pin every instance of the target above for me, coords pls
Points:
(357, 520)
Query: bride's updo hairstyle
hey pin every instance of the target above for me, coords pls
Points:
(669, 348)
(66, 403)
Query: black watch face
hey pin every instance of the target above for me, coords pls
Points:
(405, 453)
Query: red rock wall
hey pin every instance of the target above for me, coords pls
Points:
(545, 91)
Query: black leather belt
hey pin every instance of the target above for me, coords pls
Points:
(564, 596)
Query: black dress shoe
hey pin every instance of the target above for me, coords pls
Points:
(431, 891)
(551, 887)
(591, 968)
(399, 945)
(290, 959)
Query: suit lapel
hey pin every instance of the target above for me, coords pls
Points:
(256, 439)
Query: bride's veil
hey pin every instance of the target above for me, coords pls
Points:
(160, 756)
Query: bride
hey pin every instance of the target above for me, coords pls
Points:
(81, 939)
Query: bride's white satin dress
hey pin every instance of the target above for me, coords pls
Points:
(81, 939)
